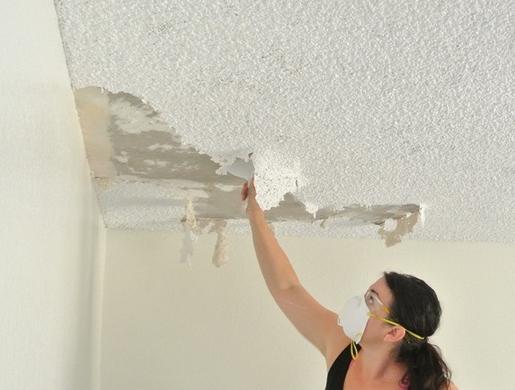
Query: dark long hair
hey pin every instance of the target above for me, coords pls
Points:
(416, 307)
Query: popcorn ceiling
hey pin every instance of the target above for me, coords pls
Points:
(220, 254)
(274, 178)
(340, 103)
(190, 236)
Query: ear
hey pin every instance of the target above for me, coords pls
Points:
(395, 333)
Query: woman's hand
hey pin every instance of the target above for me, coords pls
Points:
(249, 192)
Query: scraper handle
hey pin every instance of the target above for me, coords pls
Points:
(249, 192)
(246, 189)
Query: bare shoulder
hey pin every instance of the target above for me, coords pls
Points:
(315, 322)
(338, 342)
(451, 386)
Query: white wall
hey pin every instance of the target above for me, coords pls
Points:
(51, 232)
(170, 327)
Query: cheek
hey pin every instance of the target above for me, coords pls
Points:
(373, 329)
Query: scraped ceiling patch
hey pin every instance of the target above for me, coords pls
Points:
(125, 136)
(130, 148)
(370, 104)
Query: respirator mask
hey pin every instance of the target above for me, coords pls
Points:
(353, 317)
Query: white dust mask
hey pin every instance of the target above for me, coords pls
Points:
(353, 318)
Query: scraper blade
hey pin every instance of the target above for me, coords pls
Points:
(241, 168)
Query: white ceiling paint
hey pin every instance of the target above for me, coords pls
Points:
(346, 105)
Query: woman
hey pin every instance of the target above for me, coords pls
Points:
(378, 341)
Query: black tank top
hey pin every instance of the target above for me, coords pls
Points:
(338, 371)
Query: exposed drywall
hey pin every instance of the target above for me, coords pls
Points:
(361, 104)
(132, 148)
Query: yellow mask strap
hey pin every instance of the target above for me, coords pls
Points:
(395, 323)
(353, 346)
(409, 331)
(353, 350)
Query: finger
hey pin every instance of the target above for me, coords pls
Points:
(244, 193)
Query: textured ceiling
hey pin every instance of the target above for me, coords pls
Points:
(363, 116)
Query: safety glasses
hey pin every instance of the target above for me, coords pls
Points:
(375, 305)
